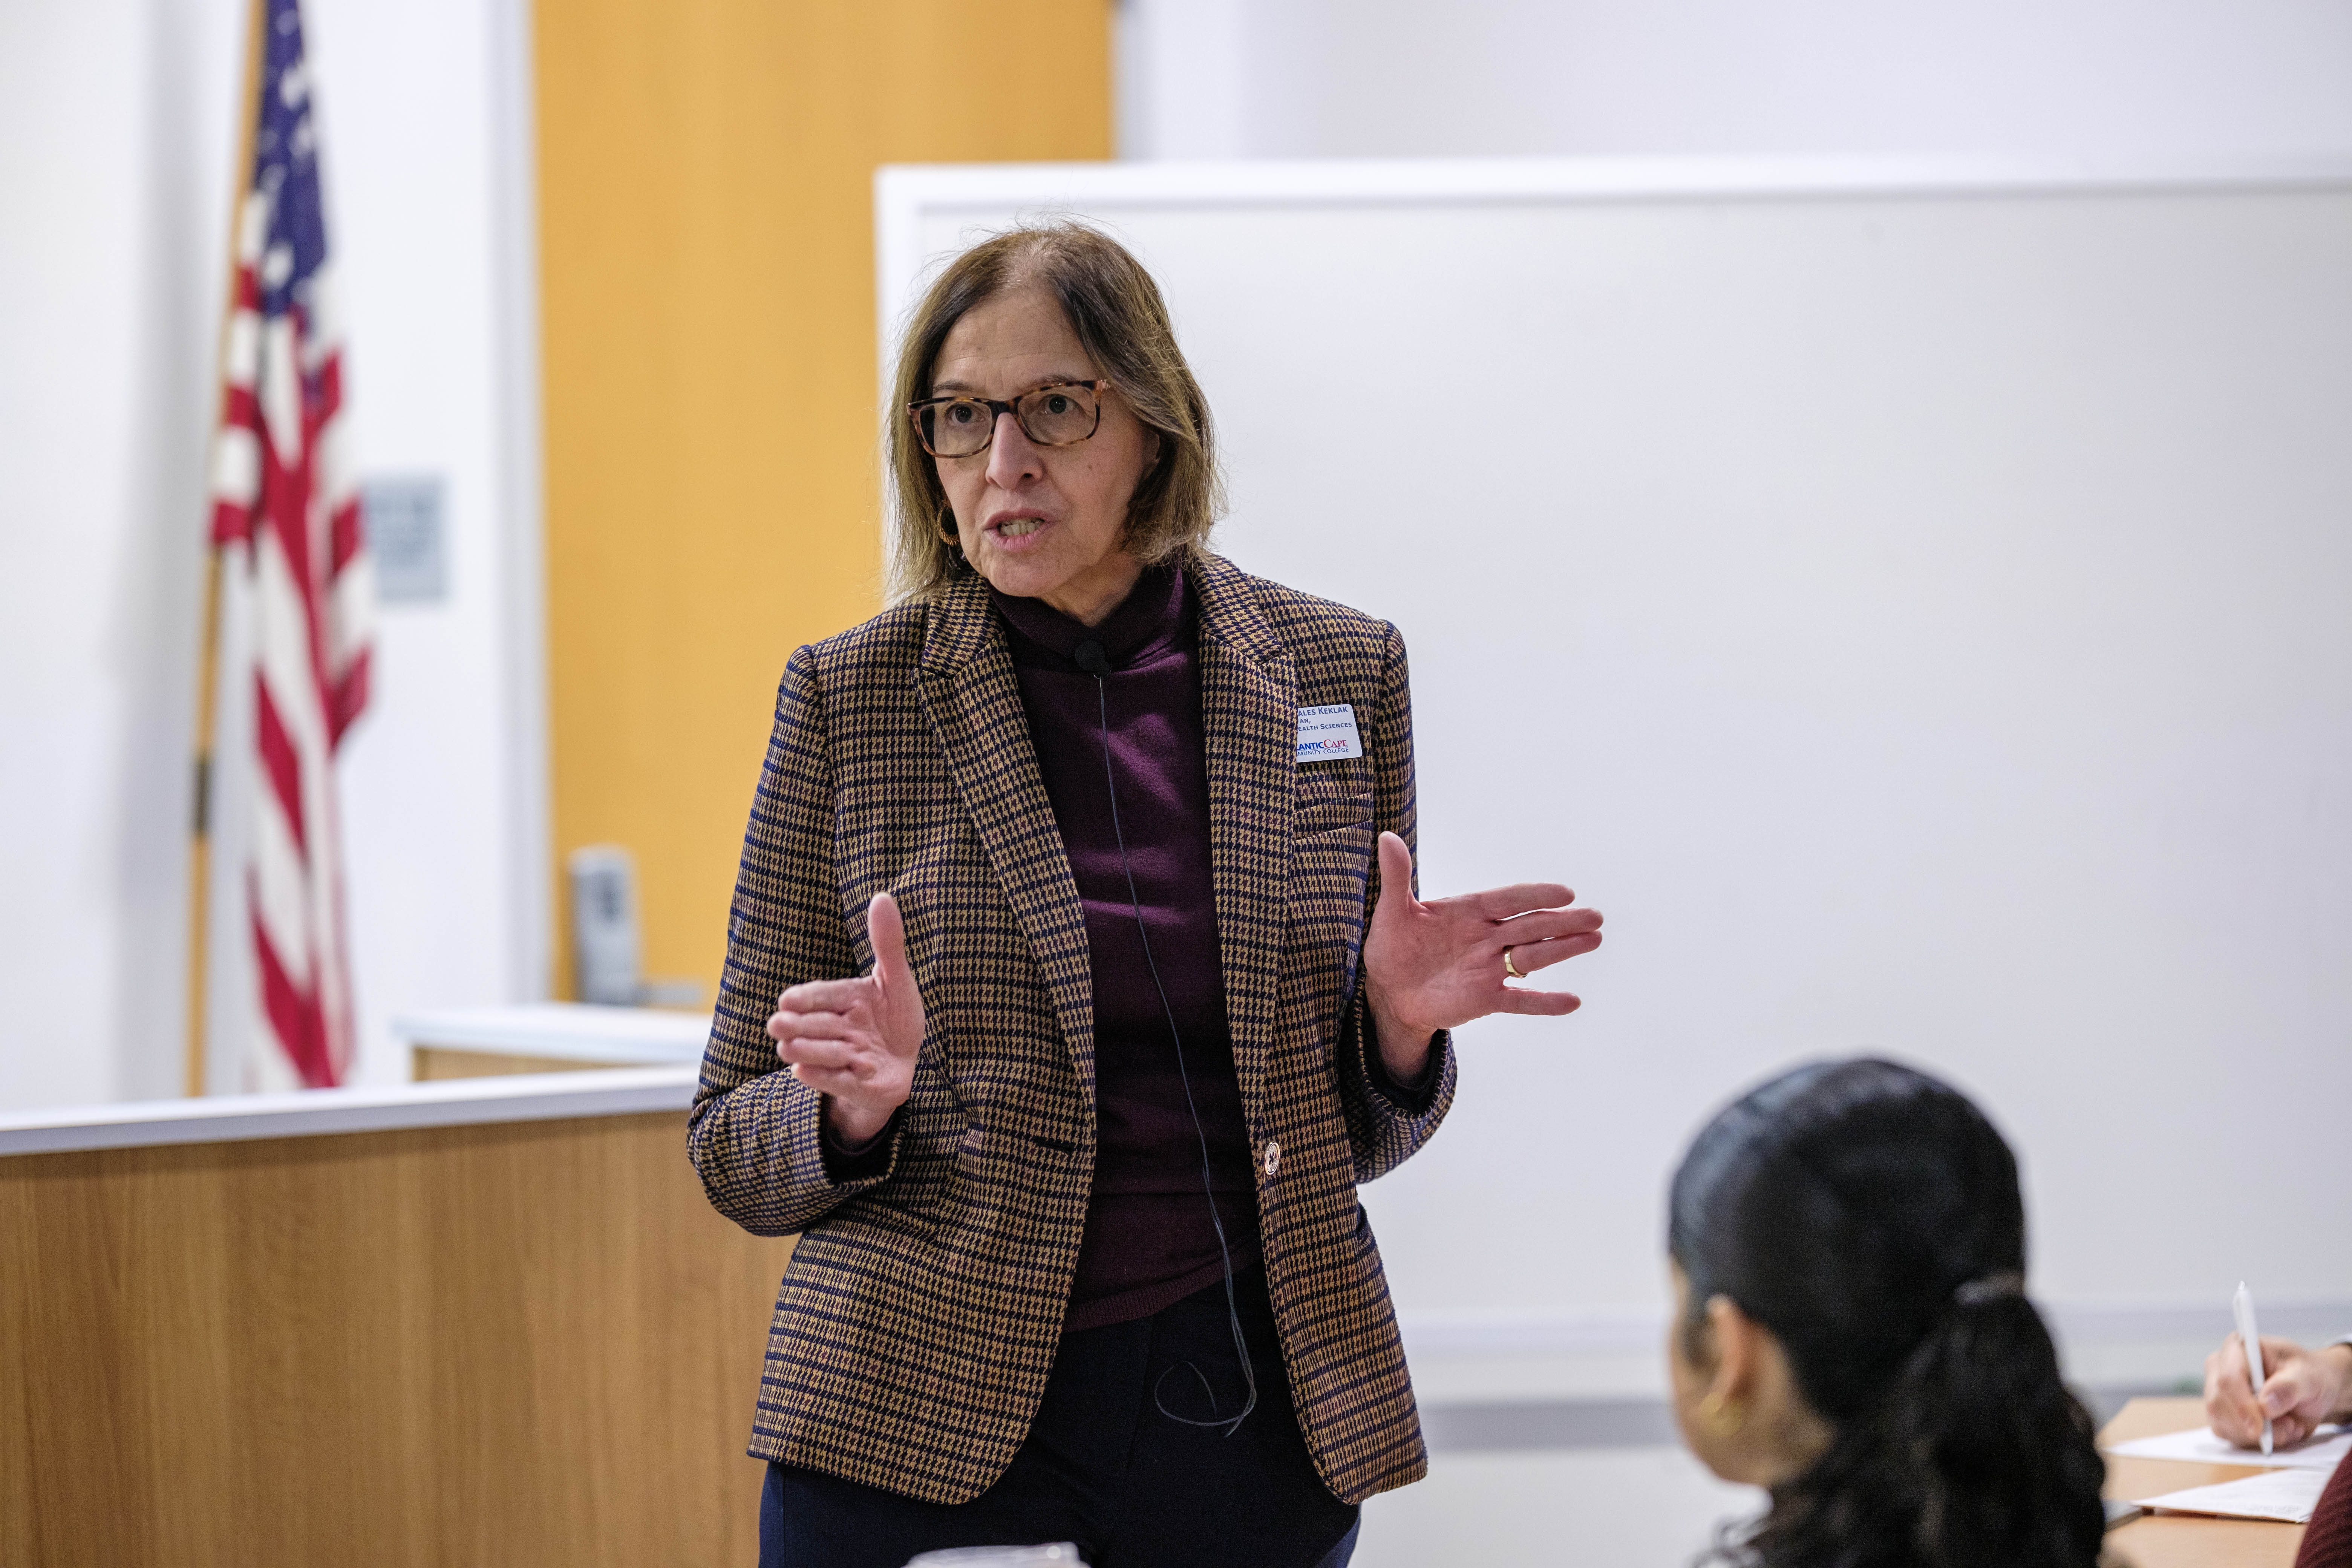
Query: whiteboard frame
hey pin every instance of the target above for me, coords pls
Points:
(908, 195)
(2124, 1340)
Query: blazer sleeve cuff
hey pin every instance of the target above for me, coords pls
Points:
(1411, 1100)
(846, 1162)
(760, 1148)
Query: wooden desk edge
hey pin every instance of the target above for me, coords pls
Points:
(2160, 1541)
(229, 1119)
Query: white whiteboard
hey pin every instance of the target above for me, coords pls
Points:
(1916, 608)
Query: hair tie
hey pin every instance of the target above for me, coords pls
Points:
(1991, 1288)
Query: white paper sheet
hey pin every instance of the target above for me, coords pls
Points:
(2288, 1495)
(2320, 1451)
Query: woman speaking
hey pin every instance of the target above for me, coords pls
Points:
(1053, 1020)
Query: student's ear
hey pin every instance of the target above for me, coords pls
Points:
(1739, 1348)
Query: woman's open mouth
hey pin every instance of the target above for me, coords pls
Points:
(1015, 533)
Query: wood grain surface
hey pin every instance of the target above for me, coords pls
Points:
(522, 1344)
(432, 1064)
(2180, 1540)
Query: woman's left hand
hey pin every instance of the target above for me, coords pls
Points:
(1438, 966)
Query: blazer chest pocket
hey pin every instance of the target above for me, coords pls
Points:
(1321, 813)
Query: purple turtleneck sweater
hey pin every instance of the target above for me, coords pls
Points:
(1149, 1240)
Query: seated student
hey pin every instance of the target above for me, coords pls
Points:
(1852, 1332)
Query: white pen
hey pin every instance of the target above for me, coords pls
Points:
(2243, 1304)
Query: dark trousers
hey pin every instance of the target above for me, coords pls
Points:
(1106, 1468)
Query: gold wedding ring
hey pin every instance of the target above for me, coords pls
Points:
(1509, 968)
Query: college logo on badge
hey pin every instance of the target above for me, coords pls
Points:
(1328, 734)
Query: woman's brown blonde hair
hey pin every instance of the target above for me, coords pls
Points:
(1114, 309)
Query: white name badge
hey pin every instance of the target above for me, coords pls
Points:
(1328, 734)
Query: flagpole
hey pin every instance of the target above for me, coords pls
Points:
(208, 651)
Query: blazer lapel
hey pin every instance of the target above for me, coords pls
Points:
(967, 686)
(1249, 709)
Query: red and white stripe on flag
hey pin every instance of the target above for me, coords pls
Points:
(286, 510)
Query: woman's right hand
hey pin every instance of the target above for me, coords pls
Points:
(855, 1041)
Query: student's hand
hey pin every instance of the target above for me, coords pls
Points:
(855, 1040)
(2303, 1389)
(1438, 965)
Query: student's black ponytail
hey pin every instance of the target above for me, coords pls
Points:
(1870, 1217)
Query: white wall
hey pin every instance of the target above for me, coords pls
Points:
(117, 137)
(1298, 78)
(113, 181)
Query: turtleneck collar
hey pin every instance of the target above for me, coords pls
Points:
(1148, 620)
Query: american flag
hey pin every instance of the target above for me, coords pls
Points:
(282, 492)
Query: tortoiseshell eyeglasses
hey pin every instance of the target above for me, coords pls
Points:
(1061, 414)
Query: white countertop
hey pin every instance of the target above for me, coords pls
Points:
(638, 1059)
(456, 1102)
(562, 1031)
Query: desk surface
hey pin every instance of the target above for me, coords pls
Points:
(2178, 1541)
(304, 1113)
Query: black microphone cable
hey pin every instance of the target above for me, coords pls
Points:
(1091, 658)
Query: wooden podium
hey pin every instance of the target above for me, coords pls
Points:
(488, 1321)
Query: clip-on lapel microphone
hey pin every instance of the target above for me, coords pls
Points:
(1091, 658)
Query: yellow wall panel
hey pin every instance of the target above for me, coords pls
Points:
(713, 476)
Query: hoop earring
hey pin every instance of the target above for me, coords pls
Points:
(946, 528)
(1723, 1416)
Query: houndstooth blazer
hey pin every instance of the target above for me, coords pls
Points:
(921, 1309)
